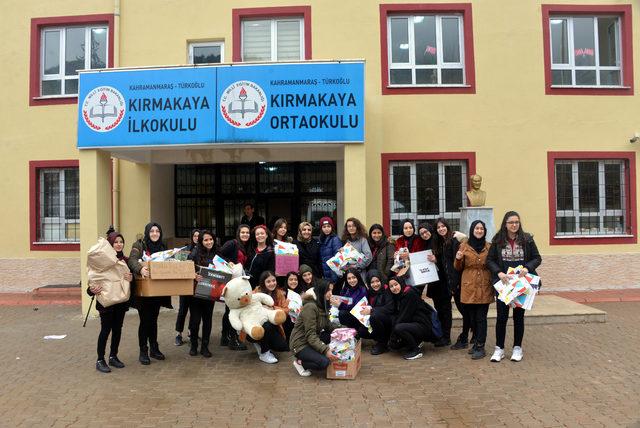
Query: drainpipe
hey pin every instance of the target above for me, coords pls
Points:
(116, 162)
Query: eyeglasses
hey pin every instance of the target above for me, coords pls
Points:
(513, 222)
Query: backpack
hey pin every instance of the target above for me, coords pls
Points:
(436, 328)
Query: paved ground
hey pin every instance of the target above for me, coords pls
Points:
(572, 375)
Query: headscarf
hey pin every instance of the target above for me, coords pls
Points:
(153, 247)
(429, 227)
(409, 240)
(475, 243)
(399, 280)
(111, 238)
(374, 273)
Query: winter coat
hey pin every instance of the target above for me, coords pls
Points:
(409, 308)
(310, 323)
(356, 294)
(417, 245)
(137, 250)
(309, 254)
(230, 252)
(259, 262)
(475, 286)
(362, 246)
(329, 246)
(383, 260)
(381, 302)
(532, 259)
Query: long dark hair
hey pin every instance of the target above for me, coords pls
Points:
(192, 245)
(383, 240)
(279, 222)
(360, 231)
(440, 242)
(204, 254)
(355, 273)
(263, 288)
(502, 236)
(243, 246)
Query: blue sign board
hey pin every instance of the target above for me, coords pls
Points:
(274, 103)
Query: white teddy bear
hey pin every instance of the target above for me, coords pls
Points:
(247, 310)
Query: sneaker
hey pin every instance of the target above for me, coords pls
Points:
(268, 358)
(114, 361)
(498, 354)
(378, 349)
(516, 355)
(443, 341)
(413, 355)
(459, 345)
(179, 341)
(301, 370)
(102, 367)
(478, 353)
(258, 349)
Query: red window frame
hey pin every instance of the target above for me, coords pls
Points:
(269, 12)
(34, 204)
(387, 158)
(37, 24)
(626, 41)
(630, 189)
(387, 10)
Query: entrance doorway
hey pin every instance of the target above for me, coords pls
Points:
(213, 195)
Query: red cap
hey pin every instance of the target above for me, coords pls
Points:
(327, 220)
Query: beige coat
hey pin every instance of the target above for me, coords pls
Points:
(475, 285)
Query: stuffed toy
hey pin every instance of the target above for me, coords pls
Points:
(247, 310)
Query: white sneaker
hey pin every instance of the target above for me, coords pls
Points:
(498, 354)
(301, 370)
(516, 355)
(268, 358)
(257, 346)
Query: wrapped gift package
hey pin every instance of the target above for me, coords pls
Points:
(286, 263)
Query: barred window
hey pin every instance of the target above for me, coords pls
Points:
(424, 191)
(590, 197)
(59, 205)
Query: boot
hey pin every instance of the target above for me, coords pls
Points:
(234, 342)
(205, 349)
(144, 356)
(461, 342)
(224, 338)
(473, 346)
(155, 352)
(478, 352)
(193, 351)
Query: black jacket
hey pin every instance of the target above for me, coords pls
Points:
(259, 262)
(309, 254)
(256, 220)
(410, 308)
(381, 302)
(532, 258)
(445, 265)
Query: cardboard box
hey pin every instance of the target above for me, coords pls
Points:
(346, 369)
(171, 270)
(148, 287)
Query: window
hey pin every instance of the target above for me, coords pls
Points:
(206, 53)
(54, 205)
(587, 48)
(427, 48)
(272, 39)
(61, 46)
(272, 33)
(424, 191)
(67, 50)
(591, 196)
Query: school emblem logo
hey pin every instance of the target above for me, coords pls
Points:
(243, 104)
(103, 109)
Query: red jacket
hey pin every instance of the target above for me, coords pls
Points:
(418, 244)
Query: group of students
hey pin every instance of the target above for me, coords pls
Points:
(399, 316)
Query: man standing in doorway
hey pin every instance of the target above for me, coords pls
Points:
(250, 217)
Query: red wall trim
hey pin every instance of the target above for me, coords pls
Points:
(624, 11)
(386, 158)
(37, 24)
(630, 190)
(34, 204)
(269, 12)
(469, 63)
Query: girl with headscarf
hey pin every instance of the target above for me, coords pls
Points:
(476, 291)
(382, 251)
(148, 307)
(311, 333)
(380, 311)
(112, 317)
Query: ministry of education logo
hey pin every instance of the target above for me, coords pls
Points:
(243, 104)
(103, 109)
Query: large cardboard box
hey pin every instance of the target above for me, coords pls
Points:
(171, 270)
(348, 369)
(148, 287)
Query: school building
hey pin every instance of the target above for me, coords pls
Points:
(378, 110)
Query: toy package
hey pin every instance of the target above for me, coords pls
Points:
(398, 261)
(356, 312)
(343, 343)
(163, 256)
(345, 258)
(519, 292)
(295, 304)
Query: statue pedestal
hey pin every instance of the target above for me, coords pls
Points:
(470, 214)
